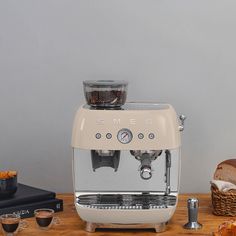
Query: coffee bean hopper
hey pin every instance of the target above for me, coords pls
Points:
(126, 159)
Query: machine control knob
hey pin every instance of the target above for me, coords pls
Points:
(140, 135)
(151, 136)
(98, 135)
(146, 173)
(108, 135)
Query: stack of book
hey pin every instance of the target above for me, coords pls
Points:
(27, 199)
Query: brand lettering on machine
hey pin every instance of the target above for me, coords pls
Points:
(132, 121)
(117, 121)
(100, 121)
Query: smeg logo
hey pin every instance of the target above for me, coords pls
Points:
(118, 121)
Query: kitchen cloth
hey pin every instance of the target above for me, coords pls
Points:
(223, 186)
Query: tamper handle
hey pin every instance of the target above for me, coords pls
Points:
(192, 209)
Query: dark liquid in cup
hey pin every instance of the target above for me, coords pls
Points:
(44, 218)
(10, 225)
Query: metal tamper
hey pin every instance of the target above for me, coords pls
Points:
(192, 214)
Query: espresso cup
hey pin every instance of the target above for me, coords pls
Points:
(45, 218)
(12, 224)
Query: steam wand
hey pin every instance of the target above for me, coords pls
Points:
(167, 174)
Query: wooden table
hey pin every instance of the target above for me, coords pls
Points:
(72, 225)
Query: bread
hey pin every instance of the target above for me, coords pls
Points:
(226, 171)
(227, 228)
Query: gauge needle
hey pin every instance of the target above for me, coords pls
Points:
(124, 135)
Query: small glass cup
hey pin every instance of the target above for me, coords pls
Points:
(45, 218)
(12, 224)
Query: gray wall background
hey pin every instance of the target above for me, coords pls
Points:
(181, 52)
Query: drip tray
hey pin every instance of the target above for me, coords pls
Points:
(127, 201)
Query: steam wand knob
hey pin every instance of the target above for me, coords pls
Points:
(182, 119)
(192, 214)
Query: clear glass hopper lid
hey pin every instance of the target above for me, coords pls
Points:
(105, 93)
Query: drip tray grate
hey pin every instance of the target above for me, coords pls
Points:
(127, 201)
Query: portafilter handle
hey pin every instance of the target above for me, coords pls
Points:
(145, 168)
(146, 173)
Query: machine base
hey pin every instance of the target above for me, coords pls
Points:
(91, 227)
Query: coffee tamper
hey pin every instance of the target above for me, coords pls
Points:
(192, 214)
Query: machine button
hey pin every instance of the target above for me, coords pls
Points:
(140, 136)
(108, 135)
(151, 136)
(98, 135)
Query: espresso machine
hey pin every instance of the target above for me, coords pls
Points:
(126, 159)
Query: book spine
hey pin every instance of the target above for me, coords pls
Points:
(17, 201)
(27, 210)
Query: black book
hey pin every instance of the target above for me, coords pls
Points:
(27, 194)
(27, 210)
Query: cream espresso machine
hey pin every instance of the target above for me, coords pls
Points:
(126, 159)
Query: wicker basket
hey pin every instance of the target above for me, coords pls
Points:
(224, 203)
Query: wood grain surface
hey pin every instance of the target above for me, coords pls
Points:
(72, 225)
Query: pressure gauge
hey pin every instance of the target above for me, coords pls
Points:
(124, 136)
